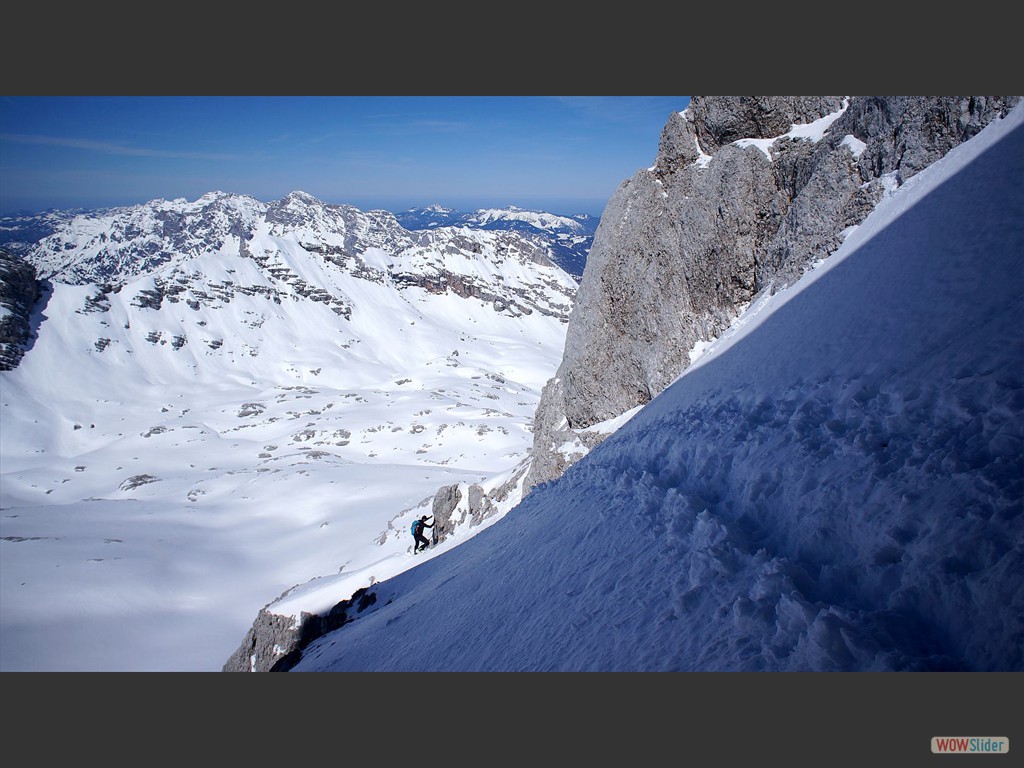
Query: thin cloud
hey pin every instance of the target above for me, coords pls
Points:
(618, 109)
(399, 122)
(111, 149)
(440, 125)
(324, 137)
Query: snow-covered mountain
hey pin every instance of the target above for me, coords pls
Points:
(569, 237)
(19, 231)
(223, 398)
(432, 216)
(835, 483)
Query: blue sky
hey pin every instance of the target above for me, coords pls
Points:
(560, 154)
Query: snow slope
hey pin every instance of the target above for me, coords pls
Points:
(235, 417)
(836, 486)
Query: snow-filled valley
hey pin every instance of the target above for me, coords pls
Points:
(182, 444)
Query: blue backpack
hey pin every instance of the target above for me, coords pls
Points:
(415, 527)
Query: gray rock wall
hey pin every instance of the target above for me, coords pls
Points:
(684, 246)
(19, 292)
(443, 510)
(721, 120)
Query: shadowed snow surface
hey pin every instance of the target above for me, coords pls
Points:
(836, 487)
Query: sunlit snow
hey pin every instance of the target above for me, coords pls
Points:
(167, 473)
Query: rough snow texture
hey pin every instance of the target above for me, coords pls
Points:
(837, 485)
(684, 246)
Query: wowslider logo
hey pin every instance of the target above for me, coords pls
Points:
(976, 745)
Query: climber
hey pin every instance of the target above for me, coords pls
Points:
(421, 542)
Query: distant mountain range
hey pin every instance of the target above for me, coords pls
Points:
(175, 251)
(569, 237)
(169, 227)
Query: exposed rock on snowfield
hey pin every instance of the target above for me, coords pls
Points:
(160, 239)
(721, 120)
(279, 384)
(275, 643)
(746, 193)
(19, 292)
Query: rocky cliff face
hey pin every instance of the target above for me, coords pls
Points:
(19, 292)
(275, 643)
(745, 195)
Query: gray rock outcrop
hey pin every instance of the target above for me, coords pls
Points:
(456, 505)
(443, 507)
(275, 643)
(19, 292)
(685, 246)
